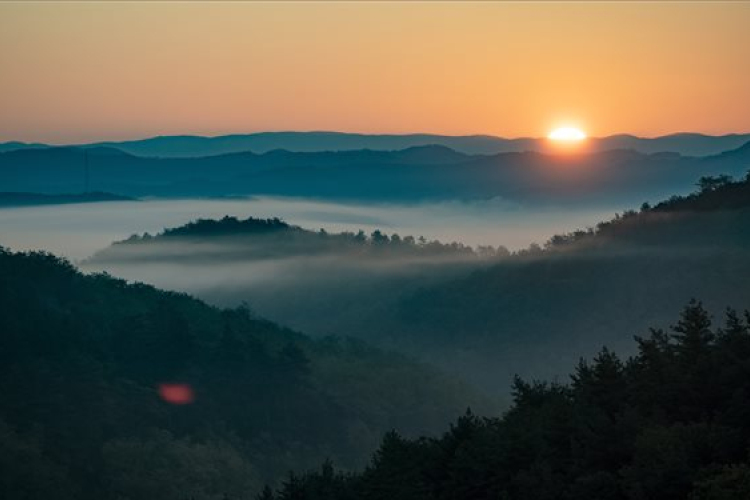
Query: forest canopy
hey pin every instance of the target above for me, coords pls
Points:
(670, 423)
(90, 365)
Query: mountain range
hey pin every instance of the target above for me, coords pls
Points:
(412, 174)
(89, 359)
(183, 146)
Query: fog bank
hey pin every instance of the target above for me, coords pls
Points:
(76, 231)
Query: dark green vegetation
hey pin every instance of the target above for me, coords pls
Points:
(670, 423)
(484, 315)
(429, 172)
(81, 358)
(544, 307)
(318, 281)
(26, 199)
(252, 238)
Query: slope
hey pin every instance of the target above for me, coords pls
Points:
(85, 359)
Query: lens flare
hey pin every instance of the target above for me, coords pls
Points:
(176, 394)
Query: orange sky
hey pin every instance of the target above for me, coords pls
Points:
(73, 72)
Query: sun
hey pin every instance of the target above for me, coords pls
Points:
(567, 134)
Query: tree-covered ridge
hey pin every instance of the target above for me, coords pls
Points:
(670, 423)
(720, 192)
(226, 226)
(714, 194)
(594, 286)
(85, 358)
(536, 312)
(253, 238)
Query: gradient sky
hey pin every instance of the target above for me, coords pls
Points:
(77, 72)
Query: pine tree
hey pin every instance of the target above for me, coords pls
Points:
(693, 333)
(266, 494)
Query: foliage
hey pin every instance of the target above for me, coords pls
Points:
(83, 358)
(285, 240)
(669, 423)
(536, 312)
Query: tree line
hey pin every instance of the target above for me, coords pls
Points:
(671, 423)
(86, 367)
(294, 238)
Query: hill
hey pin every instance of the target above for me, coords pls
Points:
(185, 146)
(543, 307)
(230, 238)
(485, 315)
(326, 282)
(27, 199)
(16, 145)
(669, 423)
(409, 175)
(116, 390)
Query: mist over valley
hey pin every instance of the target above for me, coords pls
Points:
(374, 250)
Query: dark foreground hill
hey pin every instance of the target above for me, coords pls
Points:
(113, 391)
(671, 423)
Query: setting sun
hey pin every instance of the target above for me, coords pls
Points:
(567, 134)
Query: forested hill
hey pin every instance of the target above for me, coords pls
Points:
(90, 365)
(230, 238)
(316, 281)
(486, 319)
(533, 312)
(703, 218)
(672, 423)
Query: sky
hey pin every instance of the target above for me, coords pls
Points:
(88, 71)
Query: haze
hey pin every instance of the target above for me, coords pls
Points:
(77, 231)
(85, 71)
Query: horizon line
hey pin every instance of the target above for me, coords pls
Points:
(363, 134)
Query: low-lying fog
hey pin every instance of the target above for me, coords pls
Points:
(465, 312)
(77, 231)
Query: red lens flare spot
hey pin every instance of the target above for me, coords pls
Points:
(177, 394)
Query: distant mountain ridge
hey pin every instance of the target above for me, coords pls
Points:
(185, 146)
(408, 175)
(16, 145)
(16, 199)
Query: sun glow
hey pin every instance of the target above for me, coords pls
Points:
(567, 134)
